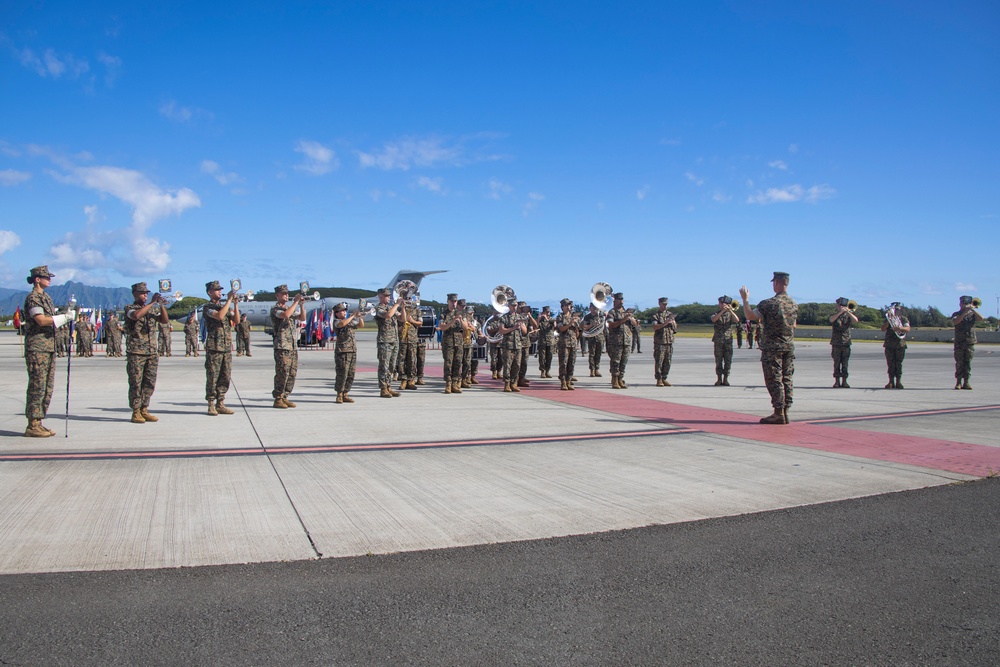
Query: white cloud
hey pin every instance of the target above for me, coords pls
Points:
(431, 184)
(792, 193)
(213, 169)
(720, 197)
(966, 288)
(641, 193)
(793, 148)
(10, 177)
(8, 241)
(319, 159)
(532, 203)
(177, 113)
(409, 153)
(51, 64)
(693, 178)
(112, 68)
(778, 164)
(498, 189)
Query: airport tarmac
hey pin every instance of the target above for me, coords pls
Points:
(433, 471)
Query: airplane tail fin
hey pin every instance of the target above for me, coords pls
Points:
(409, 274)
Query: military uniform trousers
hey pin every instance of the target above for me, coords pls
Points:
(963, 361)
(388, 357)
(512, 363)
(663, 354)
(191, 345)
(567, 361)
(778, 367)
(618, 354)
(164, 343)
(286, 367)
(841, 355)
(894, 361)
(466, 361)
(452, 353)
(346, 362)
(41, 382)
(595, 349)
(723, 356)
(141, 369)
(218, 370)
(544, 355)
(421, 357)
(408, 360)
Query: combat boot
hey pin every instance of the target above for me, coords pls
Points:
(776, 417)
(514, 388)
(718, 380)
(473, 380)
(666, 383)
(148, 417)
(621, 382)
(843, 383)
(966, 385)
(614, 382)
(958, 384)
(597, 373)
(562, 385)
(522, 382)
(403, 385)
(35, 430)
(411, 385)
(836, 383)
(784, 414)
(384, 391)
(659, 382)
(51, 432)
(340, 398)
(347, 399)
(222, 409)
(569, 385)
(725, 380)
(506, 386)
(456, 387)
(279, 403)
(420, 380)
(392, 392)
(891, 384)
(592, 374)
(137, 417)
(289, 403)
(466, 383)
(899, 382)
(211, 409)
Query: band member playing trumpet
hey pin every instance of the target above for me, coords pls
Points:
(965, 319)
(546, 341)
(142, 361)
(895, 345)
(452, 327)
(618, 342)
(531, 326)
(664, 328)
(514, 330)
(724, 321)
(409, 315)
(387, 341)
(777, 350)
(568, 326)
(596, 343)
(220, 318)
(346, 349)
(465, 381)
(840, 341)
(285, 319)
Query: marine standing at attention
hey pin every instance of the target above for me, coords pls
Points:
(724, 320)
(664, 328)
(546, 341)
(777, 350)
(284, 321)
(965, 319)
(618, 342)
(408, 342)
(243, 336)
(142, 360)
(840, 341)
(40, 324)
(568, 326)
(220, 317)
(191, 335)
(346, 350)
(452, 327)
(113, 336)
(387, 341)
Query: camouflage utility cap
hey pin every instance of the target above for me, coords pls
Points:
(215, 284)
(384, 291)
(780, 275)
(618, 295)
(139, 288)
(452, 297)
(340, 307)
(281, 288)
(40, 272)
(663, 300)
(566, 302)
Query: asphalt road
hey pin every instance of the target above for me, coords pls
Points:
(903, 579)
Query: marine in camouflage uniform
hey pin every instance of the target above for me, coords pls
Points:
(220, 318)
(142, 362)
(777, 352)
(840, 342)
(895, 350)
(386, 317)
(568, 326)
(664, 328)
(512, 329)
(164, 347)
(546, 341)
(408, 344)
(113, 336)
(62, 340)
(284, 320)
(467, 344)
(530, 325)
(636, 331)
(243, 337)
(723, 322)
(346, 349)
(191, 335)
(84, 337)
(595, 344)
(452, 334)
(964, 319)
(619, 322)
(40, 324)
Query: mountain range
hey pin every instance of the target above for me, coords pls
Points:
(87, 296)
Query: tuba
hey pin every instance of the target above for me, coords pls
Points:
(600, 296)
(501, 298)
(404, 289)
(893, 319)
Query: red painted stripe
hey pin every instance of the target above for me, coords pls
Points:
(896, 415)
(960, 457)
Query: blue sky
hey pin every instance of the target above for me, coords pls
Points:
(678, 149)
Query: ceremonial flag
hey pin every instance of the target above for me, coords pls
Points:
(17, 318)
(319, 324)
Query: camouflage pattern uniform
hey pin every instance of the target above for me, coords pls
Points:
(567, 346)
(777, 351)
(286, 352)
(452, 343)
(62, 340)
(346, 352)
(595, 344)
(243, 337)
(191, 337)
(113, 337)
(142, 361)
(163, 347)
(722, 337)
(408, 343)
(895, 352)
(663, 344)
(388, 343)
(636, 331)
(84, 338)
(618, 344)
(39, 354)
(965, 346)
(840, 345)
(218, 352)
(512, 347)
(546, 342)
(468, 342)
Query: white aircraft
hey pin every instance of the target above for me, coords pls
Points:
(259, 312)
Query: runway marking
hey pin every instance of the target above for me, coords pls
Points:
(319, 449)
(951, 456)
(897, 415)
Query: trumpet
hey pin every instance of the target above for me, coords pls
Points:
(164, 295)
(851, 304)
(366, 307)
(976, 302)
